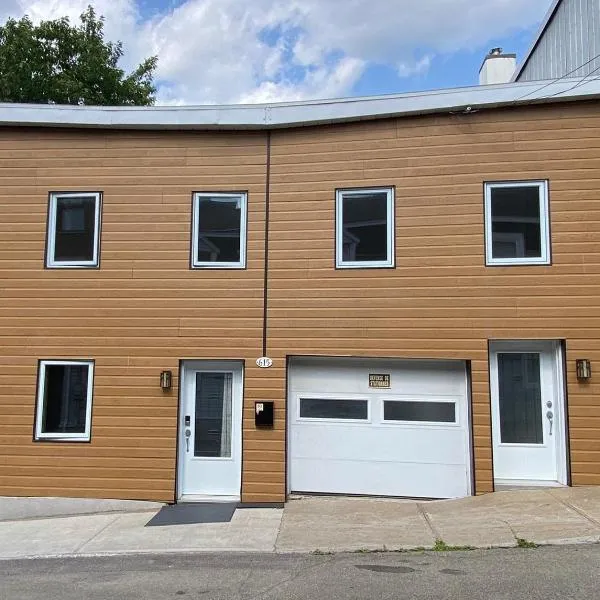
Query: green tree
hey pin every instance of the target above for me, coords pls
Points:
(59, 63)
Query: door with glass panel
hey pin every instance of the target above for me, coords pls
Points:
(210, 431)
(528, 424)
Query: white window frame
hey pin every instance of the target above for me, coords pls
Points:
(325, 396)
(435, 424)
(544, 258)
(65, 437)
(243, 199)
(389, 262)
(51, 262)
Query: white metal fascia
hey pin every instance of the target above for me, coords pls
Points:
(294, 114)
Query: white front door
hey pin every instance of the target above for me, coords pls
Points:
(528, 422)
(210, 431)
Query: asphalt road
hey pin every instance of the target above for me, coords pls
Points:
(544, 573)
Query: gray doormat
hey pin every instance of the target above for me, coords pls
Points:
(187, 514)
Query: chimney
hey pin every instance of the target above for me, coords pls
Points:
(497, 67)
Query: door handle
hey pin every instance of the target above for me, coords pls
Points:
(550, 417)
(188, 433)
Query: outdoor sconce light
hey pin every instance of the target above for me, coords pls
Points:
(584, 369)
(166, 380)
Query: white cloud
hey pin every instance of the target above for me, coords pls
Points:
(414, 68)
(266, 50)
(325, 82)
(121, 15)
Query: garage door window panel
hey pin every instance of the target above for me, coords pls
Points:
(420, 411)
(334, 409)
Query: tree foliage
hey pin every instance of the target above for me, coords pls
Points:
(57, 62)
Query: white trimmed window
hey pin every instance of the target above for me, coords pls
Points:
(219, 230)
(364, 223)
(64, 400)
(517, 223)
(73, 230)
(340, 409)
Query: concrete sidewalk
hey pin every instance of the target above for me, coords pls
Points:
(13, 508)
(551, 516)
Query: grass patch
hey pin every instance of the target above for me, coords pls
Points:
(522, 543)
(319, 552)
(441, 546)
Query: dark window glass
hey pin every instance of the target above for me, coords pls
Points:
(213, 417)
(65, 398)
(320, 408)
(364, 227)
(435, 412)
(75, 227)
(516, 231)
(219, 223)
(520, 398)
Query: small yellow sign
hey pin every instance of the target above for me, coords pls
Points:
(378, 380)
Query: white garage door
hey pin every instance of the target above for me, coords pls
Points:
(347, 437)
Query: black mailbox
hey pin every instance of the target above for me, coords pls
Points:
(263, 413)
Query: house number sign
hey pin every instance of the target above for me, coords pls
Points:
(264, 362)
(379, 380)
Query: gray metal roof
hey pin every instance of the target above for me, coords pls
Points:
(536, 40)
(293, 114)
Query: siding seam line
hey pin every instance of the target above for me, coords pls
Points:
(266, 262)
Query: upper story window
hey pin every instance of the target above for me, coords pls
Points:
(219, 230)
(73, 230)
(365, 228)
(517, 229)
(64, 400)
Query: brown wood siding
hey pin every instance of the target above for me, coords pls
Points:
(140, 313)
(441, 301)
(144, 309)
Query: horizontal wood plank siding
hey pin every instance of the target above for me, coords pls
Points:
(144, 310)
(140, 313)
(441, 301)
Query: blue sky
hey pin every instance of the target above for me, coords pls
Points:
(227, 51)
(455, 70)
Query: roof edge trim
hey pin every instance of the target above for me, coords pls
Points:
(296, 114)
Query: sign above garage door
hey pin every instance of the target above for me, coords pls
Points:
(379, 380)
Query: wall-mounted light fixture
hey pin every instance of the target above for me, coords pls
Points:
(584, 369)
(166, 380)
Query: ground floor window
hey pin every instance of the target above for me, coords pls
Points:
(64, 400)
